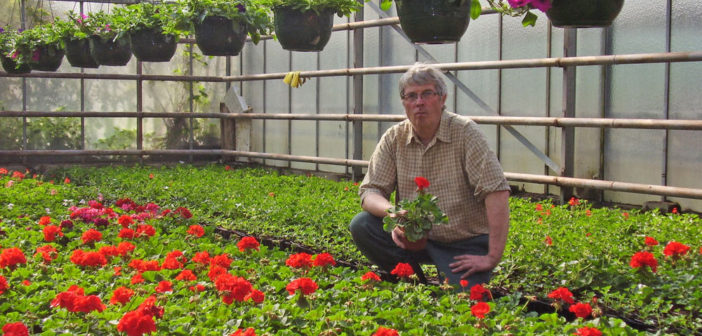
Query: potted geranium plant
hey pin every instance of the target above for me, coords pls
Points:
(152, 30)
(415, 218)
(221, 26)
(76, 37)
(40, 46)
(306, 25)
(9, 54)
(108, 44)
(563, 13)
(434, 21)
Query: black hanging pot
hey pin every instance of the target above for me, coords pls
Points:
(302, 31)
(107, 51)
(151, 45)
(433, 21)
(78, 53)
(47, 58)
(11, 67)
(584, 13)
(220, 36)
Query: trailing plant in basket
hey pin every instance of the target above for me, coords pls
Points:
(475, 8)
(340, 7)
(416, 216)
(250, 13)
(101, 24)
(519, 8)
(74, 28)
(148, 16)
(8, 38)
(29, 41)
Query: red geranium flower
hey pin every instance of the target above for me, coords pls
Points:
(221, 260)
(582, 310)
(256, 296)
(186, 275)
(137, 279)
(90, 258)
(563, 294)
(91, 236)
(650, 241)
(88, 303)
(247, 243)
(197, 288)
(305, 285)
(11, 257)
(3, 284)
(233, 288)
(126, 233)
(183, 212)
(47, 252)
(137, 323)
(145, 230)
(370, 276)
(124, 248)
(588, 331)
(480, 309)
(478, 292)
(574, 201)
(44, 220)
(196, 230)
(242, 332)
(125, 221)
(548, 241)
(382, 331)
(164, 286)
(299, 260)
(109, 251)
(675, 249)
(15, 329)
(215, 271)
(640, 259)
(422, 183)
(202, 258)
(324, 259)
(51, 231)
(402, 270)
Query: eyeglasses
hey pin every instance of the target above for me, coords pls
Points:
(413, 96)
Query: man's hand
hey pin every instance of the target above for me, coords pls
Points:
(470, 264)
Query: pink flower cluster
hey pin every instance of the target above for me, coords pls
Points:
(542, 5)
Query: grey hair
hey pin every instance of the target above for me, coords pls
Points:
(422, 74)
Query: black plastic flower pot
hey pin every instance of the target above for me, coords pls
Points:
(78, 53)
(433, 21)
(111, 52)
(151, 45)
(11, 67)
(584, 13)
(220, 36)
(302, 31)
(47, 58)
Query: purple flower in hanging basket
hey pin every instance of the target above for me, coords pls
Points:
(2, 30)
(241, 8)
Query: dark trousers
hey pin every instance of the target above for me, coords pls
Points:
(378, 246)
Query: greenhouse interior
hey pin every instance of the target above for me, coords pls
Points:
(261, 167)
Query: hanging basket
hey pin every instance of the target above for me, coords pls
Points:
(302, 31)
(433, 21)
(220, 36)
(78, 53)
(49, 58)
(11, 67)
(151, 45)
(111, 52)
(584, 13)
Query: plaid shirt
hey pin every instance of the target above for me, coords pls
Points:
(458, 163)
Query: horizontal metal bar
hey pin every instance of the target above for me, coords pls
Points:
(516, 177)
(672, 124)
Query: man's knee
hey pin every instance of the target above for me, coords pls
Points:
(362, 222)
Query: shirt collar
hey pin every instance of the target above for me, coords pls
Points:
(442, 134)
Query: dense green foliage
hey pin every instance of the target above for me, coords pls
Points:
(576, 246)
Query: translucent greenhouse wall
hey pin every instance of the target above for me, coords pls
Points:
(618, 91)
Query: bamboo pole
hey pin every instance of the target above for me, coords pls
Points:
(670, 124)
(515, 177)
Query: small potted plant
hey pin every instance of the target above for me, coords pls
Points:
(435, 21)
(306, 25)
(108, 45)
(415, 218)
(41, 46)
(9, 54)
(75, 34)
(563, 13)
(152, 30)
(221, 26)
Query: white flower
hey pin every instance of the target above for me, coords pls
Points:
(10, 206)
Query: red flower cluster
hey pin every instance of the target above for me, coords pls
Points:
(582, 310)
(144, 265)
(11, 257)
(562, 293)
(233, 288)
(324, 259)
(574, 201)
(183, 212)
(145, 230)
(3, 285)
(480, 293)
(221, 260)
(121, 295)
(640, 259)
(75, 301)
(15, 329)
(242, 332)
(202, 258)
(174, 260)
(650, 241)
(51, 231)
(305, 285)
(125, 221)
(299, 260)
(382, 331)
(164, 286)
(421, 182)
(480, 309)
(588, 331)
(89, 258)
(126, 233)
(91, 236)
(402, 270)
(141, 321)
(675, 249)
(370, 276)
(248, 243)
(186, 275)
(44, 220)
(47, 252)
(196, 230)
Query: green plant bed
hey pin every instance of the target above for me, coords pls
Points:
(576, 246)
